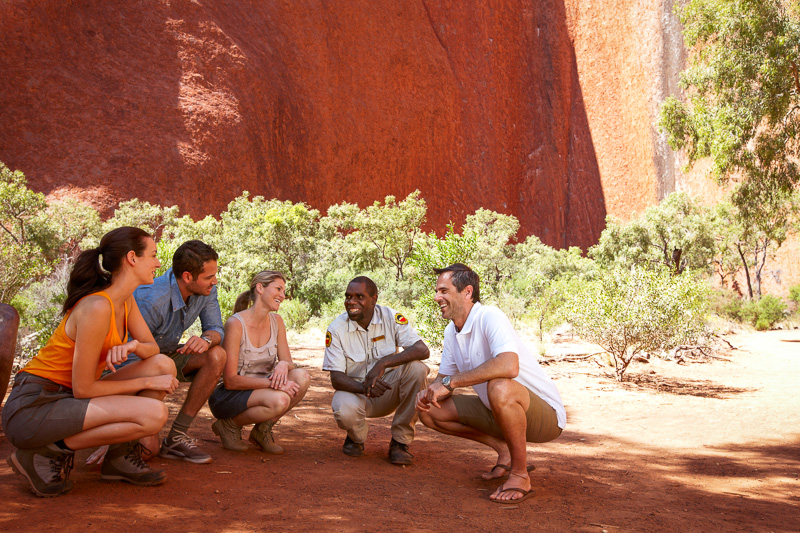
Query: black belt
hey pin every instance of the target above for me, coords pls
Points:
(48, 385)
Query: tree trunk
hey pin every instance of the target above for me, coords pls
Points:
(746, 271)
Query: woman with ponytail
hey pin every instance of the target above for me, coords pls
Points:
(59, 402)
(260, 383)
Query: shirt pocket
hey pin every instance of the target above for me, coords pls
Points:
(384, 347)
(356, 365)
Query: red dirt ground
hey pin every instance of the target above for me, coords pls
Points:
(697, 447)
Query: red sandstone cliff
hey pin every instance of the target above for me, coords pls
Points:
(192, 102)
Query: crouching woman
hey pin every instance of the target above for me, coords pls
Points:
(59, 403)
(260, 383)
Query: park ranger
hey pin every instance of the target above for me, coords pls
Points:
(372, 376)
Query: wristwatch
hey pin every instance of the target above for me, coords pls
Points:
(446, 383)
(206, 338)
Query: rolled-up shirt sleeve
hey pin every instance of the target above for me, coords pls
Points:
(211, 316)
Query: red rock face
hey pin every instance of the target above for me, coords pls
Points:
(477, 104)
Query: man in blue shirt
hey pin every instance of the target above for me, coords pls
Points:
(170, 306)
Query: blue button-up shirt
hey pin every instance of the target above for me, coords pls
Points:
(168, 316)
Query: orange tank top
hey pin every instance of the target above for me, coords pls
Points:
(54, 361)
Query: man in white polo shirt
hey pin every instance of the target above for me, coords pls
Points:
(516, 403)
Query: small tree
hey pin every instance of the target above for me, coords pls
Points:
(393, 228)
(676, 233)
(633, 311)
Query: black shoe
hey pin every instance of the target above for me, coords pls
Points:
(399, 454)
(352, 448)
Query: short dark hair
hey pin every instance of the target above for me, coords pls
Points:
(372, 289)
(461, 275)
(190, 257)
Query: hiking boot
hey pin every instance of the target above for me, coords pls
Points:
(182, 446)
(261, 434)
(230, 434)
(42, 468)
(123, 462)
(399, 454)
(352, 448)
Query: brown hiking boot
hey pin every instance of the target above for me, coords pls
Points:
(399, 454)
(123, 462)
(230, 434)
(42, 467)
(261, 434)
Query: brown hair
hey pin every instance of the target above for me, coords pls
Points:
(461, 275)
(265, 277)
(190, 257)
(94, 267)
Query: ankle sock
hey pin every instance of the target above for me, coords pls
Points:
(181, 425)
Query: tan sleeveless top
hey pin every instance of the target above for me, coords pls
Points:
(258, 361)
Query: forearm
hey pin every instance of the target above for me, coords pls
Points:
(416, 352)
(146, 349)
(505, 365)
(343, 382)
(98, 388)
(214, 335)
(237, 382)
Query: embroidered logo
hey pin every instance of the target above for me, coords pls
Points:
(328, 338)
(400, 319)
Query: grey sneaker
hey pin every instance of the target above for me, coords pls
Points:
(261, 434)
(230, 434)
(123, 462)
(182, 446)
(42, 468)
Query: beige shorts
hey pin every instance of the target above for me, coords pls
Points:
(542, 419)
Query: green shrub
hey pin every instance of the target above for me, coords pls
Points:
(727, 303)
(770, 309)
(794, 294)
(295, 314)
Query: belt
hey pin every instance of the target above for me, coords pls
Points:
(48, 385)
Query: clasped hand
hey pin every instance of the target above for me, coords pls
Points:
(119, 354)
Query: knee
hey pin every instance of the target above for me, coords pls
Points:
(164, 365)
(215, 358)
(346, 412)
(500, 391)
(157, 418)
(418, 371)
(301, 377)
(426, 418)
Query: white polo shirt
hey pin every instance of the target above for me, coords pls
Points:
(487, 333)
(351, 349)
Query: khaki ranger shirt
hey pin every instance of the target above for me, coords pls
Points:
(352, 350)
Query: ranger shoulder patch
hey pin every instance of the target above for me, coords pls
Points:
(400, 319)
(328, 338)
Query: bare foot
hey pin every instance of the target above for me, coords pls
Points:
(514, 481)
(151, 444)
(498, 470)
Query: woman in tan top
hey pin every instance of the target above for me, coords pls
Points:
(260, 383)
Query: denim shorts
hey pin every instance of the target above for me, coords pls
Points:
(39, 412)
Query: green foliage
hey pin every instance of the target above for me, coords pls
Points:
(545, 279)
(295, 314)
(34, 236)
(638, 310)
(677, 233)
(431, 253)
(743, 89)
(492, 233)
(763, 313)
(392, 228)
(794, 294)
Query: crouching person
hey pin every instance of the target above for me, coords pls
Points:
(260, 383)
(59, 403)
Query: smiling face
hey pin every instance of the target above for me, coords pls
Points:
(453, 305)
(273, 294)
(359, 304)
(147, 264)
(204, 281)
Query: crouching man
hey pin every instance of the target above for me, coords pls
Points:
(516, 403)
(372, 377)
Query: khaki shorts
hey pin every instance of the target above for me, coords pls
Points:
(39, 412)
(181, 360)
(542, 419)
